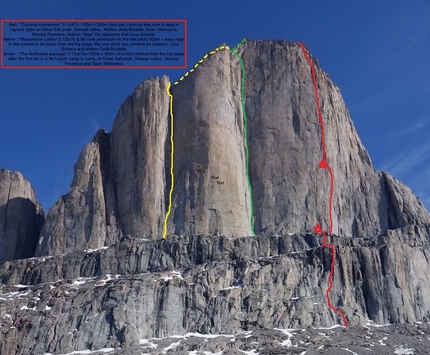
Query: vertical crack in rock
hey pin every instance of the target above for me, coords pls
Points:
(5, 210)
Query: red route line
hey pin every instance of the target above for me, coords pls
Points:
(324, 165)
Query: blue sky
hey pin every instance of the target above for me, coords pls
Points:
(377, 52)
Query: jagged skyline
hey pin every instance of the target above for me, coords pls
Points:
(363, 59)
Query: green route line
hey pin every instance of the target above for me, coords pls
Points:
(238, 45)
(245, 120)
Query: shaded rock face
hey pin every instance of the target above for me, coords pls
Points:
(21, 217)
(140, 289)
(78, 219)
(137, 158)
(119, 181)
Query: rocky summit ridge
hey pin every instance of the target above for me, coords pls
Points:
(97, 273)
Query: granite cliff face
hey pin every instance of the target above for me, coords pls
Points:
(122, 180)
(21, 217)
(119, 182)
(116, 297)
(211, 194)
(290, 191)
(102, 277)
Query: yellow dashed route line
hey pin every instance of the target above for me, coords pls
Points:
(171, 132)
(171, 161)
(201, 61)
(171, 128)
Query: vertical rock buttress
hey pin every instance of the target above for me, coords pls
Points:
(21, 217)
(119, 180)
(211, 194)
(290, 191)
(137, 158)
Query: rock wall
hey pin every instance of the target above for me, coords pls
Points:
(211, 194)
(139, 289)
(104, 278)
(290, 191)
(119, 181)
(21, 217)
(78, 219)
(122, 179)
(137, 160)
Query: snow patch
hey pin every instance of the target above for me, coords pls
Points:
(247, 334)
(381, 342)
(332, 327)
(82, 352)
(148, 343)
(199, 335)
(21, 286)
(371, 323)
(177, 274)
(10, 295)
(252, 352)
(25, 307)
(79, 281)
(402, 351)
(288, 333)
(171, 346)
(93, 250)
(231, 287)
(108, 278)
(169, 275)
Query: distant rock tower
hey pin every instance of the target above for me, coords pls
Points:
(21, 217)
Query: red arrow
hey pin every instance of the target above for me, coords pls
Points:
(324, 165)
